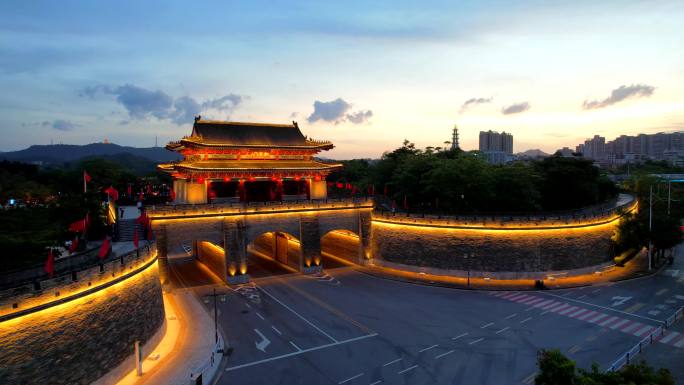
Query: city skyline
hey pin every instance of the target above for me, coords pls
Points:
(365, 77)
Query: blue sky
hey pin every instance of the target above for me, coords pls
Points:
(363, 74)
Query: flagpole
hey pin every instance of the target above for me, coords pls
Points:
(85, 185)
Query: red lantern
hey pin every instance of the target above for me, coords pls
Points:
(200, 180)
(226, 179)
(297, 178)
(252, 179)
(317, 178)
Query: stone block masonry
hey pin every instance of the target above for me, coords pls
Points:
(79, 341)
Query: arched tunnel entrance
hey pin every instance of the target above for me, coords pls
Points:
(339, 248)
(273, 253)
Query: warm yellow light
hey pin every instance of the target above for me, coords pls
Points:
(243, 267)
(100, 290)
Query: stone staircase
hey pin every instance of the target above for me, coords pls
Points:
(125, 230)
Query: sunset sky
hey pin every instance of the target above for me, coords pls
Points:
(364, 74)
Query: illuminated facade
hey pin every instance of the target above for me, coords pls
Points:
(230, 161)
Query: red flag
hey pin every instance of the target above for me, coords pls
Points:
(113, 193)
(50, 263)
(78, 226)
(150, 235)
(104, 249)
(74, 245)
(86, 179)
(129, 190)
(135, 237)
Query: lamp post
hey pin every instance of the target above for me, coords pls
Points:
(650, 226)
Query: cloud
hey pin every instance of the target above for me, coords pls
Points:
(619, 94)
(474, 101)
(59, 124)
(360, 116)
(337, 111)
(516, 108)
(141, 103)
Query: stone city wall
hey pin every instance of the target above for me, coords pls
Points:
(493, 250)
(78, 341)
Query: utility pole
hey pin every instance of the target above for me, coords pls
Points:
(650, 227)
(669, 191)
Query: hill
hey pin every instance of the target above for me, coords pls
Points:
(58, 154)
(536, 153)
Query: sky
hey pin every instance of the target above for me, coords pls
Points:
(364, 74)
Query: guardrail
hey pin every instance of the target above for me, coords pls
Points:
(625, 358)
(204, 373)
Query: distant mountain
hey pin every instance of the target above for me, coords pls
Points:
(61, 153)
(536, 153)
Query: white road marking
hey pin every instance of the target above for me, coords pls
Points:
(444, 354)
(300, 352)
(619, 300)
(246, 304)
(351, 378)
(407, 369)
(618, 324)
(428, 348)
(596, 291)
(276, 330)
(680, 297)
(609, 320)
(297, 314)
(511, 316)
(582, 296)
(261, 345)
(260, 316)
(486, 325)
(502, 330)
(604, 307)
(525, 320)
(295, 346)
(669, 337)
(654, 312)
(661, 292)
(376, 382)
(476, 341)
(457, 337)
(393, 362)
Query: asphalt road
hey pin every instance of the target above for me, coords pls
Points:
(346, 327)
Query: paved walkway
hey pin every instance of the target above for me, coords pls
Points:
(186, 347)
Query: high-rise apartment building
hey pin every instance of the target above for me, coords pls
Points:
(493, 141)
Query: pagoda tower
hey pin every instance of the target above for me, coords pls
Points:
(246, 162)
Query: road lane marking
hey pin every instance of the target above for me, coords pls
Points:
(591, 338)
(598, 317)
(260, 316)
(568, 310)
(578, 312)
(376, 382)
(525, 320)
(669, 337)
(661, 292)
(587, 315)
(603, 307)
(246, 304)
(502, 330)
(511, 316)
(529, 379)
(301, 352)
(680, 344)
(297, 314)
(609, 320)
(263, 344)
(618, 324)
(582, 296)
(596, 291)
(632, 327)
(457, 337)
(276, 330)
(643, 330)
(553, 304)
(476, 341)
(428, 348)
(407, 369)
(635, 307)
(444, 354)
(574, 349)
(486, 325)
(393, 362)
(350, 378)
(295, 346)
(556, 308)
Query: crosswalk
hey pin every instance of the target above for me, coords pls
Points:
(597, 317)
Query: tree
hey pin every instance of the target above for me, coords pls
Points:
(556, 369)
